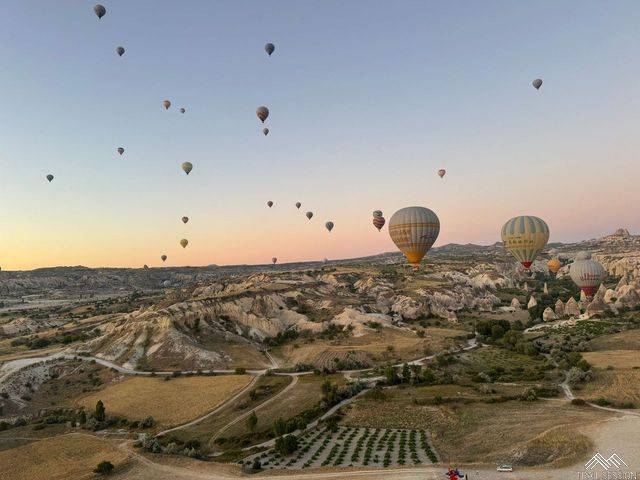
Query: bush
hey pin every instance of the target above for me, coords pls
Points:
(241, 371)
(286, 445)
(148, 422)
(578, 402)
(104, 468)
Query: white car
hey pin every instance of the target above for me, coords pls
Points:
(506, 467)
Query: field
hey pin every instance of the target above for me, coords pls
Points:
(614, 358)
(627, 340)
(617, 386)
(63, 457)
(169, 402)
(482, 432)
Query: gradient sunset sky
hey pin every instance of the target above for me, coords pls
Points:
(368, 100)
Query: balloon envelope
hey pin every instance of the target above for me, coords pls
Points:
(329, 226)
(587, 274)
(554, 265)
(182, 110)
(442, 172)
(49, 177)
(378, 222)
(120, 150)
(414, 231)
(120, 51)
(537, 83)
(298, 205)
(187, 167)
(184, 242)
(274, 260)
(100, 11)
(185, 219)
(262, 113)
(166, 104)
(270, 204)
(525, 237)
(163, 257)
(309, 215)
(269, 48)
(265, 131)
(377, 213)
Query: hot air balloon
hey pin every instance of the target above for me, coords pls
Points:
(185, 219)
(377, 213)
(145, 266)
(166, 283)
(49, 177)
(442, 172)
(378, 222)
(587, 273)
(270, 204)
(265, 131)
(582, 256)
(329, 226)
(120, 150)
(163, 257)
(309, 215)
(184, 242)
(262, 113)
(525, 237)
(298, 205)
(274, 260)
(414, 230)
(269, 48)
(537, 83)
(182, 110)
(120, 51)
(554, 265)
(187, 167)
(166, 104)
(100, 11)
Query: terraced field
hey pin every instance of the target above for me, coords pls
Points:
(357, 447)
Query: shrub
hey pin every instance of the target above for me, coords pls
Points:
(104, 468)
(578, 402)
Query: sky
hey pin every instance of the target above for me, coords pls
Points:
(368, 99)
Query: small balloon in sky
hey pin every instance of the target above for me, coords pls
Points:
(184, 242)
(309, 215)
(265, 131)
(187, 167)
(182, 110)
(274, 260)
(329, 226)
(270, 204)
(537, 83)
(262, 113)
(163, 257)
(120, 150)
(100, 11)
(185, 219)
(166, 104)
(49, 177)
(269, 48)
(298, 205)
(120, 51)
(442, 172)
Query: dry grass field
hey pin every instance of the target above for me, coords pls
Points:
(612, 385)
(169, 402)
(614, 358)
(64, 457)
(627, 340)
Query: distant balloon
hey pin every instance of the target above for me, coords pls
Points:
(182, 110)
(298, 205)
(166, 104)
(187, 167)
(309, 215)
(166, 283)
(265, 131)
(100, 11)
(184, 242)
(274, 260)
(329, 226)
(377, 213)
(262, 113)
(163, 257)
(378, 222)
(120, 150)
(582, 256)
(145, 266)
(537, 83)
(554, 265)
(414, 230)
(442, 172)
(120, 51)
(270, 204)
(49, 177)
(185, 219)
(269, 48)
(587, 273)
(525, 237)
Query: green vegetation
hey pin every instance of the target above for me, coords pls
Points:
(104, 468)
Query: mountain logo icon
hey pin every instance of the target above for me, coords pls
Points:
(614, 461)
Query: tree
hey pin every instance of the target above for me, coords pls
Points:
(286, 445)
(82, 418)
(148, 422)
(391, 375)
(104, 468)
(252, 421)
(497, 332)
(256, 464)
(279, 427)
(406, 373)
(100, 411)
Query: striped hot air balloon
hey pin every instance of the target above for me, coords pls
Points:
(414, 230)
(379, 222)
(525, 237)
(587, 273)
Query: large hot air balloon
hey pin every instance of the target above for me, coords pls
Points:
(262, 113)
(442, 172)
(309, 215)
(166, 104)
(554, 265)
(265, 131)
(120, 150)
(120, 51)
(274, 260)
(185, 219)
(182, 110)
(100, 11)
(329, 226)
(298, 205)
(269, 48)
(414, 230)
(270, 204)
(49, 177)
(537, 83)
(187, 167)
(184, 242)
(163, 257)
(378, 222)
(525, 237)
(587, 273)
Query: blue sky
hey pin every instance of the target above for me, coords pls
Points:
(368, 100)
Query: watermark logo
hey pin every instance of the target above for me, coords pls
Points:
(614, 461)
(603, 468)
